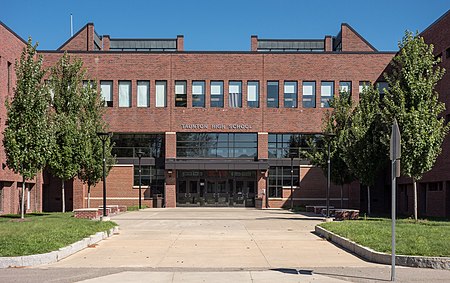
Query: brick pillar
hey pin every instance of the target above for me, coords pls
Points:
(171, 192)
(90, 37)
(254, 43)
(328, 43)
(263, 144)
(180, 43)
(106, 42)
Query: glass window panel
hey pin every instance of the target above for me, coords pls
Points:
(345, 87)
(216, 94)
(382, 86)
(124, 93)
(161, 93)
(253, 94)
(363, 85)
(180, 94)
(106, 92)
(290, 94)
(309, 94)
(143, 93)
(235, 95)
(326, 93)
(198, 94)
(272, 94)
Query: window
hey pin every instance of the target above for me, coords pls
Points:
(151, 176)
(309, 94)
(143, 94)
(382, 87)
(9, 77)
(280, 145)
(161, 93)
(86, 84)
(217, 145)
(435, 187)
(326, 94)
(198, 94)
(127, 145)
(290, 94)
(447, 53)
(363, 85)
(106, 88)
(216, 94)
(124, 93)
(279, 177)
(180, 94)
(235, 94)
(253, 94)
(272, 94)
(345, 87)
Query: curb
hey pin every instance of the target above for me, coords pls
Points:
(54, 256)
(384, 258)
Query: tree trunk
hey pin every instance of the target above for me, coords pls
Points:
(342, 196)
(63, 198)
(415, 198)
(89, 196)
(22, 205)
(368, 200)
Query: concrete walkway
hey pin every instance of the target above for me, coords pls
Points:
(214, 238)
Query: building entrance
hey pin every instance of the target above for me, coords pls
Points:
(216, 188)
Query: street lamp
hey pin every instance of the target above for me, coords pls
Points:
(292, 154)
(104, 137)
(330, 136)
(140, 154)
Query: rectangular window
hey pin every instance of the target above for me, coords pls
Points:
(235, 94)
(106, 88)
(124, 93)
(382, 87)
(180, 94)
(345, 87)
(272, 94)
(279, 177)
(161, 93)
(217, 94)
(447, 53)
(253, 94)
(290, 94)
(143, 94)
(435, 187)
(309, 94)
(198, 94)
(326, 94)
(9, 77)
(363, 85)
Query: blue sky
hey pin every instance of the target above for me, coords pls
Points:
(221, 25)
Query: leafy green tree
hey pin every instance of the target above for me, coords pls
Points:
(91, 120)
(336, 121)
(413, 101)
(70, 140)
(366, 153)
(27, 137)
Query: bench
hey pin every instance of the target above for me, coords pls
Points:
(317, 209)
(87, 213)
(342, 213)
(113, 208)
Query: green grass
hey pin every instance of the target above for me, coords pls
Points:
(135, 207)
(44, 232)
(425, 238)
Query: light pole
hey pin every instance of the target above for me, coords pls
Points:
(139, 154)
(330, 136)
(104, 137)
(292, 154)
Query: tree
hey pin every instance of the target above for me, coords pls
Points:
(91, 120)
(336, 121)
(413, 101)
(366, 153)
(70, 140)
(27, 137)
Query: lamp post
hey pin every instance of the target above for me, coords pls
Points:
(104, 137)
(139, 154)
(330, 136)
(292, 154)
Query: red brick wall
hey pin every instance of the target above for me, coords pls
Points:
(82, 40)
(351, 41)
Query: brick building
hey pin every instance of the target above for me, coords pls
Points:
(214, 128)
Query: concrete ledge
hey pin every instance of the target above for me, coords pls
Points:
(384, 258)
(54, 256)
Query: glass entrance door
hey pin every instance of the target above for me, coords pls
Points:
(217, 193)
(244, 193)
(188, 193)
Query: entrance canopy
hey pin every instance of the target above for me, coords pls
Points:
(216, 164)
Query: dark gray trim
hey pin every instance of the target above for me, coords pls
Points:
(219, 52)
(215, 164)
(287, 162)
(135, 161)
(13, 33)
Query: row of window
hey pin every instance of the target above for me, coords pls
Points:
(289, 97)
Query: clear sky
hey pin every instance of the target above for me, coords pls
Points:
(220, 25)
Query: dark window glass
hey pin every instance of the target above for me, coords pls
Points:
(345, 87)
(217, 145)
(290, 94)
(180, 94)
(272, 94)
(280, 177)
(309, 94)
(126, 145)
(198, 94)
(253, 94)
(285, 145)
(235, 94)
(326, 94)
(217, 94)
(382, 87)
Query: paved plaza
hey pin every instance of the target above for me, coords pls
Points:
(216, 245)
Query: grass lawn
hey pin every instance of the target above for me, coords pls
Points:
(136, 207)
(44, 232)
(425, 238)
